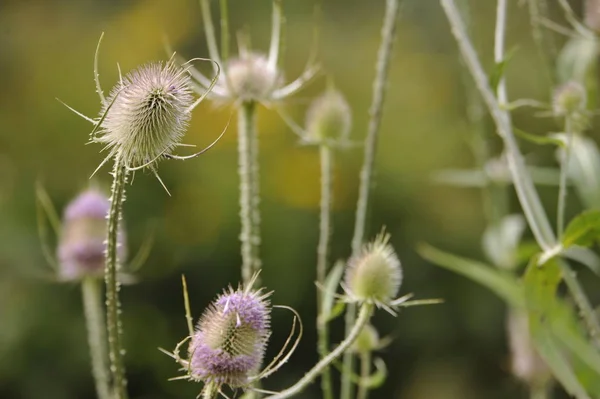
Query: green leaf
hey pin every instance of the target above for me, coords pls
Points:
(502, 283)
(538, 139)
(331, 285)
(500, 69)
(583, 230)
(552, 326)
(336, 311)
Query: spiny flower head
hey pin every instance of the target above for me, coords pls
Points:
(374, 275)
(147, 113)
(328, 118)
(367, 341)
(82, 247)
(230, 339)
(250, 77)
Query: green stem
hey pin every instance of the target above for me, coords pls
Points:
(113, 315)
(538, 9)
(209, 31)
(388, 32)
(587, 311)
(210, 391)
(249, 190)
(224, 30)
(366, 310)
(365, 371)
(326, 158)
(562, 185)
(96, 328)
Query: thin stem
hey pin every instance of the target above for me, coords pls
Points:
(499, 38)
(210, 391)
(275, 34)
(364, 315)
(388, 32)
(224, 30)
(96, 329)
(326, 157)
(365, 371)
(113, 315)
(585, 307)
(209, 31)
(528, 197)
(562, 185)
(537, 10)
(249, 196)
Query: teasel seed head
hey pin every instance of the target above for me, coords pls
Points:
(147, 113)
(250, 78)
(230, 339)
(82, 246)
(329, 118)
(374, 275)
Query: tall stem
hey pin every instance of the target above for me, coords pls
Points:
(388, 32)
(113, 313)
(96, 329)
(562, 185)
(249, 193)
(365, 371)
(326, 158)
(209, 31)
(364, 315)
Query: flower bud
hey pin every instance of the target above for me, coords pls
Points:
(230, 339)
(329, 118)
(526, 364)
(82, 243)
(367, 341)
(374, 275)
(569, 98)
(149, 113)
(251, 78)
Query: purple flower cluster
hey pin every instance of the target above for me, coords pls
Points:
(82, 247)
(230, 340)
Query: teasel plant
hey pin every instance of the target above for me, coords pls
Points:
(141, 122)
(80, 258)
(545, 334)
(247, 80)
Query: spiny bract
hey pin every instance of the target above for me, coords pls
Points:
(147, 113)
(230, 339)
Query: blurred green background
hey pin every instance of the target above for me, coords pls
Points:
(454, 350)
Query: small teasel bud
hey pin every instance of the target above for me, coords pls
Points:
(374, 275)
(250, 77)
(147, 113)
(367, 341)
(569, 98)
(526, 364)
(82, 243)
(230, 339)
(329, 118)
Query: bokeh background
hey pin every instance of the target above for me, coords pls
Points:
(450, 351)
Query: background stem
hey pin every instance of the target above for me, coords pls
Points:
(388, 32)
(96, 329)
(562, 185)
(326, 158)
(366, 310)
(365, 371)
(114, 328)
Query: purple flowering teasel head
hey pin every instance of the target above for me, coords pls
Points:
(230, 338)
(82, 246)
(227, 346)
